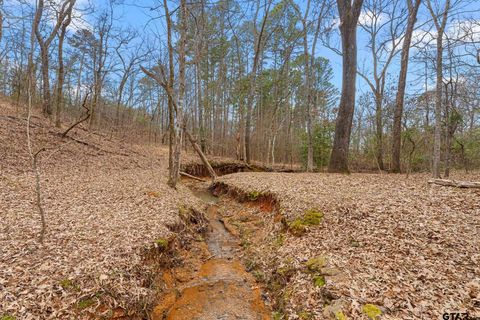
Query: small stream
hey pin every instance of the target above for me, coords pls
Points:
(221, 288)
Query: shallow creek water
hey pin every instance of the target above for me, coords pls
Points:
(221, 288)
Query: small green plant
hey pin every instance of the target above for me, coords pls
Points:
(372, 311)
(253, 195)
(339, 315)
(68, 284)
(245, 244)
(297, 228)
(279, 240)
(319, 281)
(304, 315)
(85, 303)
(7, 317)
(276, 315)
(259, 275)
(161, 243)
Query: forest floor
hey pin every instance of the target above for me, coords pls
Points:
(107, 207)
(331, 245)
(319, 245)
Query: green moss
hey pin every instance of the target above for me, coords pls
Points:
(68, 284)
(161, 243)
(253, 195)
(277, 315)
(279, 240)
(312, 218)
(339, 315)
(304, 315)
(285, 270)
(245, 244)
(319, 281)
(316, 264)
(85, 303)
(7, 317)
(372, 311)
(297, 227)
(183, 211)
(258, 275)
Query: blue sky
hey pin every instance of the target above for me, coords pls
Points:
(138, 15)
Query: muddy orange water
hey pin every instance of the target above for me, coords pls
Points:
(221, 288)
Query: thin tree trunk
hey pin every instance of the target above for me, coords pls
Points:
(438, 94)
(61, 72)
(402, 81)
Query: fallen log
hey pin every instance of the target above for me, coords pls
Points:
(455, 183)
(191, 177)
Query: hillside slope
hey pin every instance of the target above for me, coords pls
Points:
(105, 201)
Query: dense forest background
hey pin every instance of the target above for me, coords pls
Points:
(258, 80)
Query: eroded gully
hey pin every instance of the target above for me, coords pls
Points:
(220, 288)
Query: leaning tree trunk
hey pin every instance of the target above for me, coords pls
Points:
(402, 80)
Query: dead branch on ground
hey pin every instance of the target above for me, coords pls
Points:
(455, 183)
(191, 176)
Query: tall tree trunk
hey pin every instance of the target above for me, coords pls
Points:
(172, 177)
(349, 14)
(61, 71)
(253, 77)
(438, 93)
(402, 80)
(379, 130)
(179, 123)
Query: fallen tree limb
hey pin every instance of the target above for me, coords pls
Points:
(81, 120)
(192, 177)
(202, 156)
(455, 183)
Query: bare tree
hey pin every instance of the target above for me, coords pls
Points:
(61, 71)
(349, 13)
(1, 20)
(383, 22)
(440, 21)
(258, 44)
(402, 80)
(308, 65)
(129, 60)
(100, 55)
(44, 44)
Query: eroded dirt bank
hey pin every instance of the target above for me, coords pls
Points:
(211, 282)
